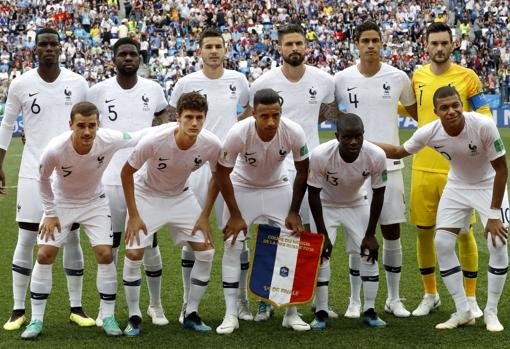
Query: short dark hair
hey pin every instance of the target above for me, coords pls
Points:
(46, 30)
(125, 41)
(443, 92)
(366, 26)
(85, 109)
(192, 101)
(266, 96)
(210, 32)
(290, 29)
(438, 27)
(348, 120)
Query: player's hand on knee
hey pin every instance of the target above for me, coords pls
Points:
(326, 249)
(135, 224)
(2, 181)
(47, 228)
(202, 224)
(371, 245)
(293, 222)
(235, 225)
(497, 230)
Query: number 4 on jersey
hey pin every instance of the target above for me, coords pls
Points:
(353, 101)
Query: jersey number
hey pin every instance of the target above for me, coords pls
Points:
(446, 155)
(113, 114)
(332, 180)
(354, 101)
(505, 215)
(35, 108)
(161, 166)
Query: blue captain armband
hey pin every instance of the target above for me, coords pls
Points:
(477, 101)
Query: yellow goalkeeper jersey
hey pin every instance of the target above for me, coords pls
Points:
(425, 83)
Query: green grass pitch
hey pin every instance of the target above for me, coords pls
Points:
(404, 333)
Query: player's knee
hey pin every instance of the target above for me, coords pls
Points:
(152, 257)
(233, 249)
(391, 231)
(135, 254)
(442, 243)
(498, 252)
(425, 227)
(46, 255)
(116, 239)
(103, 254)
(205, 256)
(27, 239)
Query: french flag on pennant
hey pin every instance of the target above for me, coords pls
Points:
(285, 268)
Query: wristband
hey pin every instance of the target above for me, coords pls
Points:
(495, 213)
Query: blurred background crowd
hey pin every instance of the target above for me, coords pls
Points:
(168, 33)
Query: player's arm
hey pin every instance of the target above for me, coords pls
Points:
(2, 174)
(247, 112)
(412, 111)
(236, 223)
(135, 222)
(163, 117)
(50, 221)
(477, 98)
(329, 111)
(494, 223)
(293, 220)
(393, 151)
(12, 110)
(369, 242)
(314, 200)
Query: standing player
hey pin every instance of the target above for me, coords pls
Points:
(338, 171)
(477, 180)
(430, 169)
(44, 96)
(77, 159)
(308, 98)
(257, 186)
(373, 89)
(128, 102)
(224, 89)
(168, 157)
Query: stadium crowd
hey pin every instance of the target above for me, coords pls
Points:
(168, 31)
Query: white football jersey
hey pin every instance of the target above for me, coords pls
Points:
(125, 110)
(167, 167)
(46, 110)
(342, 182)
(261, 164)
(77, 179)
(469, 153)
(375, 100)
(301, 100)
(223, 96)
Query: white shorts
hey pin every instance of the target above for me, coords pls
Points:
(456, 207)
(353, 219)
(272, 204)
(118, 208)
(304, 211)
(28, 202)
(199, 183)
(94, 217)
(394, 209)
(179, 213)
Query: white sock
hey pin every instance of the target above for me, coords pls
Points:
(200, 275)
(392, 261)
(245, 266)
(498, 269)
(22, 262)
(106, 282)
(321, 292)
(370, 277)
(132, 279)
(73, 267)
(153, 266)
(187, 262)
(354, 277)
(117, 236)
(40, 289)
(449, 265)
(230, 270)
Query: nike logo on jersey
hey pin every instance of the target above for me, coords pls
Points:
(32, 94)
(350, 88)
(162, 159)
(421, 85)
(330, 173)
(438, 146)
(109, 100)
(248, 154)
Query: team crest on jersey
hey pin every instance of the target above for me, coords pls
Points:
(312, 96)
(283, 154)
(100, 161)
(233, 91)
(145, 101)
(67, 94)
(386, 91)
(197, 162)
(473, 149)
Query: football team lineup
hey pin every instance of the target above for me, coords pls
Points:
(210, 171)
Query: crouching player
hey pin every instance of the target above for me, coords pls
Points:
(77, 159)
(162, 197)
(338, 171)
(477, 180)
